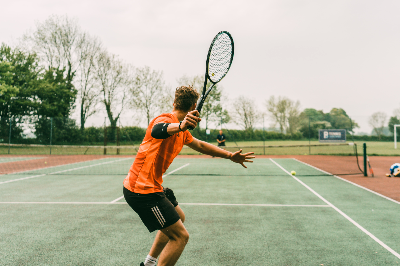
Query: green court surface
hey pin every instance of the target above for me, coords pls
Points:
(235, 216)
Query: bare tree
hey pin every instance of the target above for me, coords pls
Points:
(396, 113)
(115, 79)
(377, 121)
(245, 112)
(147, 91)
(88, 93)
(167, 101)
(294, 121)
(60, 43)
(56, 41)
(285, 113)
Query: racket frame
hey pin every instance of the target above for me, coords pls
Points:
(207, 78)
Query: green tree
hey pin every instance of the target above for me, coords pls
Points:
(394, 120)
(340, 120)
(37, 93)
(313, 120)
(56, 97)
(24, 77)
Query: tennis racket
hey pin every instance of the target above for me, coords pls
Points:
(219, 61)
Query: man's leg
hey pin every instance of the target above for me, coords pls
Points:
(161, 239)
(178, 238)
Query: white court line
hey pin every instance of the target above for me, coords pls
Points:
(17, 173)
(162, 177)
(176, 170)
(255, 205)
(357, 185)
(114, 201)
(343, 214)
(188, 204)
(29, 177)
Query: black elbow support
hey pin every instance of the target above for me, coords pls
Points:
(159, 131)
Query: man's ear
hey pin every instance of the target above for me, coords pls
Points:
(193, 107)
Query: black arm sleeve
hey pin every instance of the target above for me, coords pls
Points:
(159, 131)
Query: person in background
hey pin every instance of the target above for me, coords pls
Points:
(221, 139)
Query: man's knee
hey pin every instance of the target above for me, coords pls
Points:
(185, 236)
(177, 232)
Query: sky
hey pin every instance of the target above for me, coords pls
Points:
(325, 54)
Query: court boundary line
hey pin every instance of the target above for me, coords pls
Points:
(162, 177)
(186, 204)
(342, 213)
(30, 177)
(357, 185)
(33, 158)
(18, 173)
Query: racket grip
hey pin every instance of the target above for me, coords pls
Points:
(198, 108)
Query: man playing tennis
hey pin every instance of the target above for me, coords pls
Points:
(156, 206)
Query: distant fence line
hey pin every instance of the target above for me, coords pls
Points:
(61, 131)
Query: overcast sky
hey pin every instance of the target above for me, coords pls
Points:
(325, 54)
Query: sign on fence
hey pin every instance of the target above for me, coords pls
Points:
(332, 135)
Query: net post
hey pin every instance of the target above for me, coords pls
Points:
(309, 136)
(365, 159)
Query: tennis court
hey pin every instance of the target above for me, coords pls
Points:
(72, 214)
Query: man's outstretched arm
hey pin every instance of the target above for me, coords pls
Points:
(209, 149)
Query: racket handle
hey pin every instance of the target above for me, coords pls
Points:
(198, 108)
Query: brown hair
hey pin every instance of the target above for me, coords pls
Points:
(185, 97)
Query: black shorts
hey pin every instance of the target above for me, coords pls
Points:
(155, 210)
(221, 144)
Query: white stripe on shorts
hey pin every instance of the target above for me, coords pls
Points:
(158, 215)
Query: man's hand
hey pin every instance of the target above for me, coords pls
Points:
(191, 119)
(237, 157)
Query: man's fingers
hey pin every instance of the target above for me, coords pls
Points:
(191, 120)
(243, 165)
(194, 112)
(248, 161)
(245, 154)
(195, 118)
(239, 151)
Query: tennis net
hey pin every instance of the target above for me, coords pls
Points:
(31, 159)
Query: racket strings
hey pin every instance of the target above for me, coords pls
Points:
(220, 57)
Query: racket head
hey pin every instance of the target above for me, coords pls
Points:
(220, 57)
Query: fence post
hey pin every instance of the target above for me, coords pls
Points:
(9, 135)
(263, 136)
(51, 132)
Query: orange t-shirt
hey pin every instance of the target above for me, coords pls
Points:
(154, 157)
